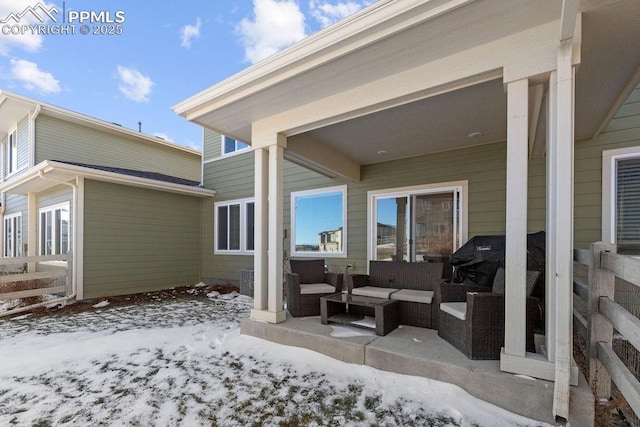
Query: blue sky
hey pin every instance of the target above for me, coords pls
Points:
(167, 51)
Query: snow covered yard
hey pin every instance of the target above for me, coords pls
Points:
(184, 362)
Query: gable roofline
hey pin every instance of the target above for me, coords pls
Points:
(31, 180)
(92, 122)
(373, 23)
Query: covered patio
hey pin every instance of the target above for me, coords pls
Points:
(404, 79)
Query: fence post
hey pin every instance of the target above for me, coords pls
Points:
(599, 329)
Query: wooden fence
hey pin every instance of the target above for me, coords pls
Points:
(15, 270)
(603, 316)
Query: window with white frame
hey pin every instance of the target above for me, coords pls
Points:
(230, 145)
(418, 223)
(54, 229)
(12, 151)
(318, 222)
(621, 199)
(13, 235)
(234, 226)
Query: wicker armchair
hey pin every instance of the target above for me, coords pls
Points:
(471, 318)
(306, 284)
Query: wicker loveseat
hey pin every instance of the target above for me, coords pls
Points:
(306, 284)
(411, 283)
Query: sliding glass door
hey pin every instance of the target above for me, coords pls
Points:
(415, 225)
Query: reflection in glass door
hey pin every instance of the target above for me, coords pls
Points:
(423, 226)
(434, 226)
(392, 228)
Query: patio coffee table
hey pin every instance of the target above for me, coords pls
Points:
(338, 308)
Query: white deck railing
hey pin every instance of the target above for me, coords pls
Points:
(32, 268)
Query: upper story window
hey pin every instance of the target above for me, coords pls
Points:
(318, 222)
(234, 227)
(230, 145)
(12, 152)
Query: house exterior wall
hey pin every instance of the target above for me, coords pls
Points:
(138, 240)
(22, 138)
(232, 178)
(484, 167)
(23, 143)
(60, 140)
(18, 204)
(621, 132)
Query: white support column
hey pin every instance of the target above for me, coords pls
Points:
(261, 224)
(32, 229)
(550, 260)
(516, 226)
(276, 178)
(564, 228)
(268, 255)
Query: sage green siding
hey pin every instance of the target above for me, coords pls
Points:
(621, 132)
(484, 167)
(232, 178)
(211, 147)
(138, 240)
(61, 140)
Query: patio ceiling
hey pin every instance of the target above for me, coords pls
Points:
(432, 121)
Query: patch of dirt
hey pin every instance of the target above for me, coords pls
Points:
(182, 292)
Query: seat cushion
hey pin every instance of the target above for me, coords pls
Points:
(456, 309)
(412, 295)
(317, 288)
(373, 291)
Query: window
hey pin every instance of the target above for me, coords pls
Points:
(13, 235)
(54, 230)
(234, 225)
(12, 152)
(419, 223)
(318, 222)
(230, 145)
(621, 199)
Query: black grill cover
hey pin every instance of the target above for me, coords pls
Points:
(477, 261)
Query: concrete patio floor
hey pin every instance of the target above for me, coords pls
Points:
(419, 351)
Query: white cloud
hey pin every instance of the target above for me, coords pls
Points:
(327, 13)
(24, 40)
(275, 25)
(189, 32)
(134, 85)
(33, 78)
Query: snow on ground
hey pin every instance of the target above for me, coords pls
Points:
(184, 362)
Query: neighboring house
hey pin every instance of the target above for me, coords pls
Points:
(126, 205)
(511, 116)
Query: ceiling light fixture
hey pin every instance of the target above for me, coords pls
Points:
(382, 152)
(475, 134)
